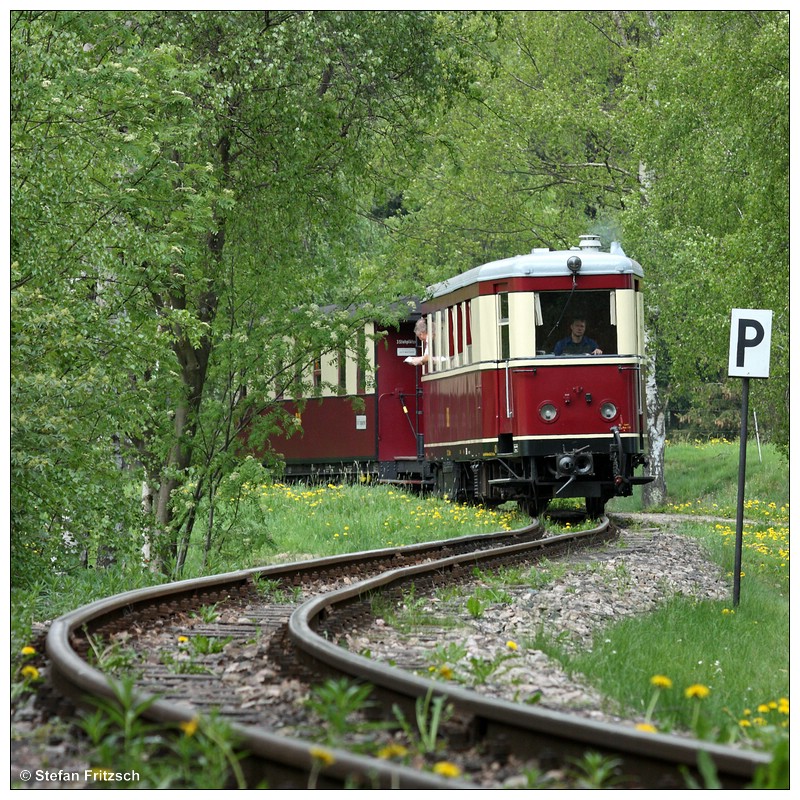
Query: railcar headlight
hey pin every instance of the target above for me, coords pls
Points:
(608, 410)
(548, 412)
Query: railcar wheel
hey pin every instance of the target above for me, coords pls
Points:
(533, 508)
(595, 507)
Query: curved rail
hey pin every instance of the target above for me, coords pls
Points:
(656, 758)
(290, 759)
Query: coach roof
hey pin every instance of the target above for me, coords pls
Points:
(543, 263)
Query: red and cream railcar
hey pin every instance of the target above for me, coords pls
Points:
(506, 418)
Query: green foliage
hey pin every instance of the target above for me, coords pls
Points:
(199, 754)
(776, 774)
(430, 714)
(208, 645)
(207, 614)
(481, 669)
(475, 606)
(113, 658)
(175, 232)
(709, 113)
(340, 705)
(535, 153)
(595, 771)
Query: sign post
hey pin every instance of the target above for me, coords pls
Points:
(748, 357)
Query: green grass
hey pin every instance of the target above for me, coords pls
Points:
(265, 523)
(740, 655)
(275, 521)
(702, 477)
(737, 655)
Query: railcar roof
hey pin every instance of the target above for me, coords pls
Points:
(541, 263)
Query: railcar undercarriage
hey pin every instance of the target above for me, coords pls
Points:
(534, 481)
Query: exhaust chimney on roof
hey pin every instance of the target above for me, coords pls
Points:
(591, 243)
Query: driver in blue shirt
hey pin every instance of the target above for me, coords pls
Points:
(577, 342)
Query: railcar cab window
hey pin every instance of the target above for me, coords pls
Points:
(556, 312)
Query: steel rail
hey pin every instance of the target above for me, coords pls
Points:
(291, 759)
(659, 759)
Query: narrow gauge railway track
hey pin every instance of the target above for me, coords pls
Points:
(286, 760)
(304, 641)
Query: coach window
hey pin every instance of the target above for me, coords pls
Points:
(435, 340)
(452, 336)
(361, 363)
(538, 322)
(316, 375)
(341, 371)
(460, 346)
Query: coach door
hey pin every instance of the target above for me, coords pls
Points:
(399, 405)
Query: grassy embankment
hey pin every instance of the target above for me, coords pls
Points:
(720, 669)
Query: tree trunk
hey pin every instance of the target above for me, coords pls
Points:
(655, 492)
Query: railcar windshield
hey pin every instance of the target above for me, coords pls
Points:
(557, 311)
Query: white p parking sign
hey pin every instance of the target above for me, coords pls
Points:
(751, 333)
(748, 357)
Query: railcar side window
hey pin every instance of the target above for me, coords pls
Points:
(555, 311)
(452, 332)
(436, 341)
(316, 375)
(503, 320)
(468, 330)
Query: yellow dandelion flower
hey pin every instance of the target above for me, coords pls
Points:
(783, 705)
(763, 708)
(393, 751)
(183, 639)
(190, 726)
(646, 727)
(446, 672)
(30, 673)
(744, 723)
(323, 756)
(661, 682)
(28, 650)
(446, 769)
(697, 690)
(512, 645)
